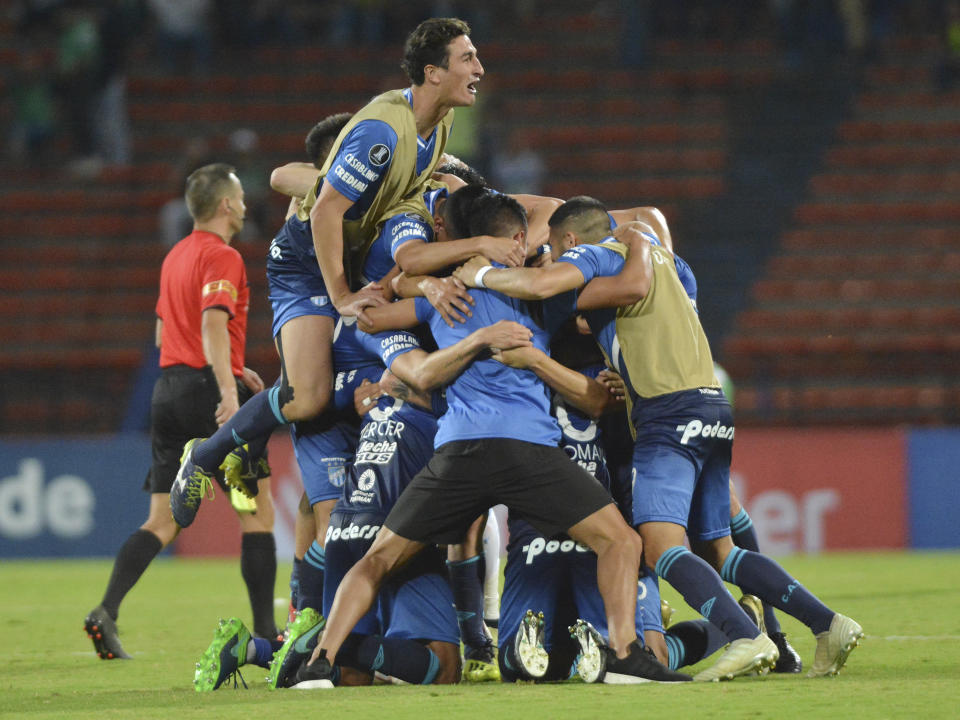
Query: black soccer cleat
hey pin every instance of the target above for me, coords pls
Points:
(317, 675)
(102, 630)
(789, 660)
(640, 666)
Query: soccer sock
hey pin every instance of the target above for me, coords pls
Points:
(258, 565)
(759, 575)
(256, 418)
(311, 578)
(133, 558)
(648, 598)
(260, 651)
(405, 660)
(468, 598)
(690, 641)
(745, 536)
(704, 591)
(295, 582)
(491, 565)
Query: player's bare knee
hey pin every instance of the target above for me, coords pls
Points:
(449, 656)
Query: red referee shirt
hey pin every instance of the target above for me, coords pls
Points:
(201, 271)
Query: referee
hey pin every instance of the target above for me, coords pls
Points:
(201, 332)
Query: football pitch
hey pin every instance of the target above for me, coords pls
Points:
(908, 664)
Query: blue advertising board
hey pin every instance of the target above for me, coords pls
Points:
(934, 487)
(76, 497)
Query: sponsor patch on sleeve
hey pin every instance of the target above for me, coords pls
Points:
(211, 288)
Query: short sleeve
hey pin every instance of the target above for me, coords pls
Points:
(222, 279)
(363, 159)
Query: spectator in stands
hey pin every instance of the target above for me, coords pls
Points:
(117, 23)
(183, 29)
(255, 178)
(33, 105)
(201, 331)
(947, 71)
(78, 59)
(174, 219)
(518, 168)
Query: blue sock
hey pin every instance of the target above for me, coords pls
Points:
(263, 651)
(256, 419)
(468, 597)
(690, 641)
(295, 581)
(744, 536)
(705, 592)
(403, 659)
(311, 578)
(759, 575)
(648, 598)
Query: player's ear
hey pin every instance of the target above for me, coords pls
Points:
(570, 239)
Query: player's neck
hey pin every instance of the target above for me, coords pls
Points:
(221, 229)
(428, 111)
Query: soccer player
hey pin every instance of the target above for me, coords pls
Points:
(201, 331)
(379, 163)
(496, 443)
(684, 436)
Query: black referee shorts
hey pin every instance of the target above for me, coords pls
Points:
(464, 478)
(183, 406)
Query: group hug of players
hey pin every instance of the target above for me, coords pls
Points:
(431, 332)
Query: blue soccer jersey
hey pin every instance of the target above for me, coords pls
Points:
(361, 164)
(396, 231)
(489, 399)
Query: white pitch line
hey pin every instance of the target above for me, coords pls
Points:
(910, 638)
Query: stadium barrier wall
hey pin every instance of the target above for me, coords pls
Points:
(807, 490)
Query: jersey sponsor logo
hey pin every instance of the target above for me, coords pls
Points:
(539, 546)
(275, 250)
(379, 155)
(349, 180)
(211, 288)
(366, 480)
(368, 174)
(406, 230)
(352, 532)
(344, 378)
(695, 428)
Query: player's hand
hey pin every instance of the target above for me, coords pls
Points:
(613, 383)
(543, 256)
(365, 397)
(506, 334)
(467, 273)
(352, 304)
(449, 296)
(503, 250)
(631, 234)
(518, 357)
(252, 380)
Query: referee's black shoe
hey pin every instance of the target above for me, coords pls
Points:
(640, 666)
(102, 629)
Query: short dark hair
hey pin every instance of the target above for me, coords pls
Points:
(476, 210)
(427, 45)
(206, 186)
(584, 215)
(464, 172)
(321, 137)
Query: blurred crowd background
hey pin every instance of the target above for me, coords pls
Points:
(805, 152)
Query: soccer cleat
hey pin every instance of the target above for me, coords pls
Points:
(317, 675)
(753, 607)
(102, 629)
(835, 645)
(666, 613)
(189, 487)
(742, 657)
(302, 637)
(639, 666)
(528, 646)
(789, 660)
(240, 471)
(223, 658)
(480, 664)
(592, 660)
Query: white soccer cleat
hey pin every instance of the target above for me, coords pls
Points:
(835, 645)
(528, 645)
(592, 661)
(742, 657)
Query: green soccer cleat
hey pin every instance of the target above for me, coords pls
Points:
(480, 665)
(835, 645)
(242, 472)
(189, 487)
(302, 637)
(528, 646)
(224, 657)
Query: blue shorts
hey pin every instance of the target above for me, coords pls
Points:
(681, 462)
(325, 446)
(416, 604)
(295, 284)
(550, 575)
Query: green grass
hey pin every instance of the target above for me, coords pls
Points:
(907, 665)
